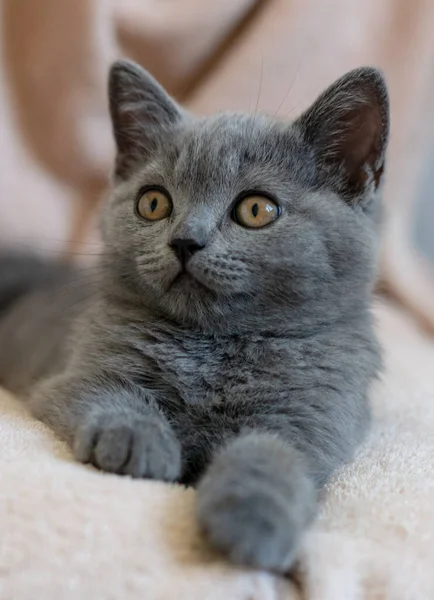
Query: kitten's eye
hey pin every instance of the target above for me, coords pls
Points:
(154, 205)
(256, 211)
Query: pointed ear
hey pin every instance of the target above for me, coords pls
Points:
(140, 110)
(348, 129)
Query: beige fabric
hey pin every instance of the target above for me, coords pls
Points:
(68, 532)
(55, 58)
(175, 40)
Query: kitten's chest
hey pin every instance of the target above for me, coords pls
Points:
(216, 371)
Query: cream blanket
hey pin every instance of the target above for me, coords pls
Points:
(69, 532)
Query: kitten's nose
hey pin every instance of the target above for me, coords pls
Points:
(185, 248)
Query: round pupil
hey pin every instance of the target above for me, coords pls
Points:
(255, 209)
(154, 203)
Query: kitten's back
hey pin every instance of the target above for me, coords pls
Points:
(21, 274)
(38, 300)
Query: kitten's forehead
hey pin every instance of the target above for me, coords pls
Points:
(220, 150)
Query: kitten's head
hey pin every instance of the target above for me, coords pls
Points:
(239, 222)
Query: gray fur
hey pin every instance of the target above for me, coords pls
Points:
(248, 376)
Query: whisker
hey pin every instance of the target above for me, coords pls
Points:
(291, 110)
(297, 71)
(260, 84)
(63, 240)
(61, 252)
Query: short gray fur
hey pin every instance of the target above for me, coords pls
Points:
(249, 376)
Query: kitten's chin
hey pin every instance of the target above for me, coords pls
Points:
(192, 302)
(195, 279)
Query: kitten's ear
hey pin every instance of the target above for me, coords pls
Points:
(140, 109)
(348, 128)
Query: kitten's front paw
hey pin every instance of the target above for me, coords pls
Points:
(255, 502)
(255, 530)
(133, 445)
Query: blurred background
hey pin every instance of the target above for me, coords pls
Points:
(273, 56)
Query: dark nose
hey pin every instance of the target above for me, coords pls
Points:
(185, 248)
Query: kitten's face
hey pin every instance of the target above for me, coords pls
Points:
(226, 223)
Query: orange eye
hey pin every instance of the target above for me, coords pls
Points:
(256, 211)
(154, 205)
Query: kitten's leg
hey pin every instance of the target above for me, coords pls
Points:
(259, 492)
(255, 501)
(110, 423)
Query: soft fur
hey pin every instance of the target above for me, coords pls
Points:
(247, 369)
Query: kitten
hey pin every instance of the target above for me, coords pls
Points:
(227, 339)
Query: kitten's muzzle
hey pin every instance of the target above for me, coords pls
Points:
(184, 248)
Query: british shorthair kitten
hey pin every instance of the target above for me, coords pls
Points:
(225, 339)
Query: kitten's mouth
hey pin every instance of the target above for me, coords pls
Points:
(185, 279)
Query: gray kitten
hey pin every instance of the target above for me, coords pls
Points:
(226, 338)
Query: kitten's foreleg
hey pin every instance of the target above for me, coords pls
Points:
(255, 501)
(110, 423)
